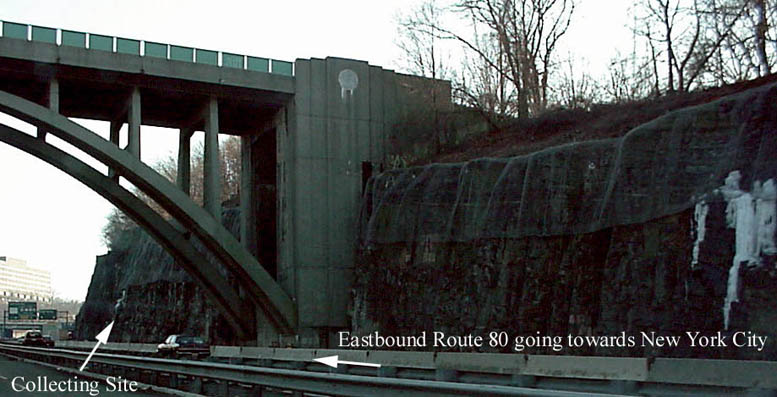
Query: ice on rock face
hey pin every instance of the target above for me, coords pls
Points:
(699, 219)
(730, 191)
(741, 210)
(752, 216)
(766, 206)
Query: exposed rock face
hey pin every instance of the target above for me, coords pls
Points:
(668, 229)
(659, 231)
(149, 294)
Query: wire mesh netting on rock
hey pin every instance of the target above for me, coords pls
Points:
(660, 168)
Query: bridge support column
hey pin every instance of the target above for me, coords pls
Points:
(211, 177)
(114, 137)
(183, 178)
(52, 97)
(266, 334)
(247, 216)
(133, 113)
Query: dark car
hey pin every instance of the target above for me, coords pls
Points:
(47, 341)
(180, 346)
(33, 338)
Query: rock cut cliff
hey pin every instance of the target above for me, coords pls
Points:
(669, 228)
(139, 286)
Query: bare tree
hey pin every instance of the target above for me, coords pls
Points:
(418, 40)
(483, 84)
(229, 158)
(424, 56)
(516, 39)
(755, 33)
(747, 30)
(577, 88)
(761, 27)
(527, 33)
(691, 33)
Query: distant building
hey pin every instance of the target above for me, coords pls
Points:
(21, 282)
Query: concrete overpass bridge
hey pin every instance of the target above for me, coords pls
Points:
(312, 130)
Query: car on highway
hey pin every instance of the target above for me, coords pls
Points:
(48, 341)
(184, 346)
(33, 338)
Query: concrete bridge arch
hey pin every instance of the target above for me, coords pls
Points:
(265, 297)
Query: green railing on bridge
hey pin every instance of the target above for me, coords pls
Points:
(122, 45)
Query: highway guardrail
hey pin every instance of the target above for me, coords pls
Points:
(222, 379)
(592, 374)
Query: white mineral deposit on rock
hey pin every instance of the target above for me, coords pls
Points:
(752, 216)
(766, 207)
(699, 218)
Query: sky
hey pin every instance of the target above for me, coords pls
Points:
(53, 222)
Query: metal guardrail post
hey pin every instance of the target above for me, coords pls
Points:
(196, 385)
(153, 378)
(224, 388)
(257, 390)
(121, 371)
(133, 373)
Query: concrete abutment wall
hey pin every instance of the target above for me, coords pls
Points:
(340, 124)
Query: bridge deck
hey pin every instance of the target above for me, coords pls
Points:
(94, 84)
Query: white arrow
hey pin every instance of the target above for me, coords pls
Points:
(332, 361)
(102, 338)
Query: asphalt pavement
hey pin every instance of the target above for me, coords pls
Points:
(17, 378)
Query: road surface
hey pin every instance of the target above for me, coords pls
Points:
(12, 369)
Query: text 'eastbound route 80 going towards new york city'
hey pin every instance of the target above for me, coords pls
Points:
(557, 343)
